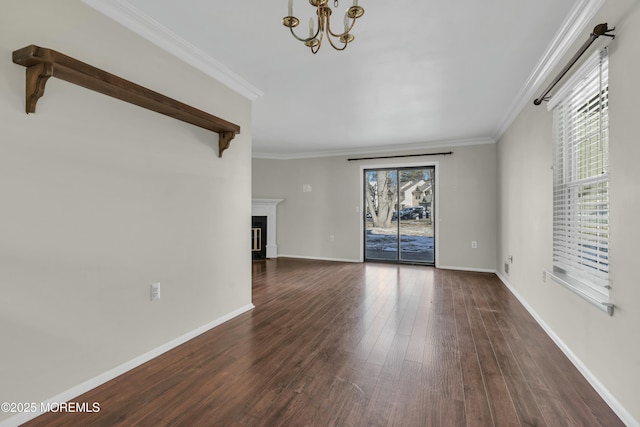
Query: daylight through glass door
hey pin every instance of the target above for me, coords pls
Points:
(399, 212)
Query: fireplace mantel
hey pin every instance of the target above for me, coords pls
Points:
(267, 207)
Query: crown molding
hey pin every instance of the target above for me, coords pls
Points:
(135, 20)
(582, 12)
(391, 148)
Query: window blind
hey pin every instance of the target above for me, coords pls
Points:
(581, 179)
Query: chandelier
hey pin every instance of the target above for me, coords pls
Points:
(318, 33)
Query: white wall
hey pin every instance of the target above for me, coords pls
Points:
(606, 348)
(99, 199)
(467, 205)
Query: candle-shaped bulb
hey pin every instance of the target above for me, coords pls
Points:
(346, 22)
(310, 27)
(355, 2)
(290, 8)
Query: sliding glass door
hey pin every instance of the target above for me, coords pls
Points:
(398, 215)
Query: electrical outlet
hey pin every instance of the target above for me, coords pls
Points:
(506, 268)
(332, 238)
(155, 291)
(474, 245)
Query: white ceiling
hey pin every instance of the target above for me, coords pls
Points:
(420, 73)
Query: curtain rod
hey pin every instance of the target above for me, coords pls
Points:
(598, 30)
(404, 155)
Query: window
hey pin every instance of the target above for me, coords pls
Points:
(581, 182)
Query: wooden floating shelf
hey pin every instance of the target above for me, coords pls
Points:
(42, 63)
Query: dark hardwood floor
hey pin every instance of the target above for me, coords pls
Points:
(357, 345)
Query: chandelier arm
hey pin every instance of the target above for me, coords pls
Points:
(301, 39)
(353, 23)
(335, 47)
(317, 47)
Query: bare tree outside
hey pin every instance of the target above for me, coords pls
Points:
(382, 196)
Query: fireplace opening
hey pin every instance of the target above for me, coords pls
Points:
(258, 237)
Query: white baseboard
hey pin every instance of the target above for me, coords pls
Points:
(319, 258)
(121, 369)
(476, 270)
(613, 403)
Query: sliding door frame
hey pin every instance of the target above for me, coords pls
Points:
(398, 165)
